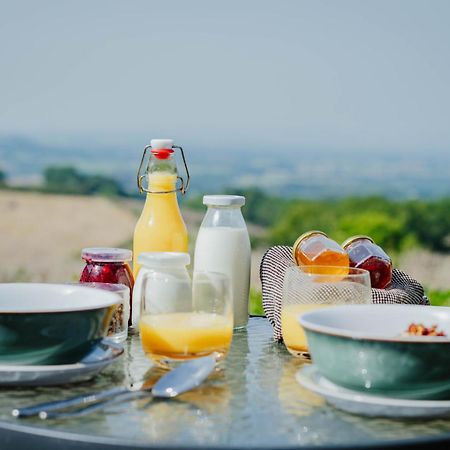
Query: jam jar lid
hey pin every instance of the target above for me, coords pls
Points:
(357, 237)
(302, 237)
(106, 254)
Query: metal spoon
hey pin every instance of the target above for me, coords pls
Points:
(183, 378)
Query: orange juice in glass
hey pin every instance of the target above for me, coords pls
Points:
(309, 288)
(293, 335)
(199, 324)
(185, 335)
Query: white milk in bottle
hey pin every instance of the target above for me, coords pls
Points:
(223, 245)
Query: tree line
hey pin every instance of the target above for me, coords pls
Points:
(395, 225)
(68, 180)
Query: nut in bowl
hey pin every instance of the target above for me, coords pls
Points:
(365, 348)
(45, 324)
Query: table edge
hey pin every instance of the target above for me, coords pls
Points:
(54, 438)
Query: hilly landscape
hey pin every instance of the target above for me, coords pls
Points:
(288, 172)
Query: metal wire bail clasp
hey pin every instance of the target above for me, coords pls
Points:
(141, 175)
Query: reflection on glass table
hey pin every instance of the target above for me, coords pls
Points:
(253, 401)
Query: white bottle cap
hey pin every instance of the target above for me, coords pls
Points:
(161, 143)
(224, 200)
(164, 259)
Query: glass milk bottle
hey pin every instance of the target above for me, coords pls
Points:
(160, 227)
(223, 245)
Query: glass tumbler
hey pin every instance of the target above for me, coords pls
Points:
(308, 288)
(118, 327)
(197, 322)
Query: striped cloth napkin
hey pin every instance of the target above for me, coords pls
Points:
(402, 290)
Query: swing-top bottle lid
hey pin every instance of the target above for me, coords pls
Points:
(162, 148)
(159, 144)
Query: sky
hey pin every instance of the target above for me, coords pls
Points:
(356, 75)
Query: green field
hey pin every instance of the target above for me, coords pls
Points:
(439, 298)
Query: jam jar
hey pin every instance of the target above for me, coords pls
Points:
(315, 248)
(365, 254)
(108, 265)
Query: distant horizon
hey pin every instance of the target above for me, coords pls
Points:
(85, 141)
(291, 172)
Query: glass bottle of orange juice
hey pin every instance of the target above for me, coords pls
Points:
(160, 227)
(315, 248)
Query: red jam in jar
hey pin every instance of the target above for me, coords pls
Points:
(108, 265)
(365, 254)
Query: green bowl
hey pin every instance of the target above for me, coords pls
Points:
(361, 347)
(51, 323)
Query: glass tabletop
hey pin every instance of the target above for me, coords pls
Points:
(254, 401)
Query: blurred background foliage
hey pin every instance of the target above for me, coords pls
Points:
(395, 225)
(67, 180)
(2, 178)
